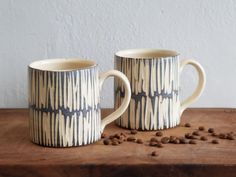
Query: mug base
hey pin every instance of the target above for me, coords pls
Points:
(65, 145)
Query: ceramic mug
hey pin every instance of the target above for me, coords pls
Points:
(64, 102)
(154, 79)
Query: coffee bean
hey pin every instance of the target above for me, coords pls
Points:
(115, 143)
(215, 141)
(188, 135)
(120, 141)
(211, 130)
(153, 143)
(196, 133)
(172, 139)
(187, 125)
(133, 132)
(222, 136)
(214, 134)
(176, 141)
(106, 141)
(203, 138)
(165, 140)
(159, 133)
(192, 142)
(154, 153)
(183, 140)
(154, 139)
(139, 141)
(111, 136)
(159, 145)
(230, 137)
(131, 138)
(117, 136)
(103, 135)
(201, 128)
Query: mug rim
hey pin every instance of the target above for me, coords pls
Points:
(148, 53)
(36, 64)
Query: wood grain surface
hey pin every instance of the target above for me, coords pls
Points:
(20, 157)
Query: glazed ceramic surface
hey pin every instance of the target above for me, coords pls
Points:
(64, 102)
(154, 78)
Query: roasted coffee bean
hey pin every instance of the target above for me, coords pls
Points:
(117, 136)
(165, 140)
(154, 139)
(159, 133)
(159, 145)
(203, 138)
(176, 141)
(183, 140)
(201, 128)
(106, 141)
(120, 141)
(172, 139)
(211, 130)
(192, 142)
(230, 137)
(153, 143)
(154, 153)
(103, 135)
(111, 136)
(222, 136)
(131, 138)
(188, 135)
(187, 125)
(214, 134)
(115, 143)
(215, 141)
(133, 132)
(196, 133)
(139, 141)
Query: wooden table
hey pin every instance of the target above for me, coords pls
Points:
(19, 157)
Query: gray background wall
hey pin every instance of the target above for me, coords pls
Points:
(201, 29)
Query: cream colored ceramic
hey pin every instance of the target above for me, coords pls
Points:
(64, 102)
(154, 78)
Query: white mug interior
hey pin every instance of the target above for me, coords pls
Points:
(62, 64)
(146, 53)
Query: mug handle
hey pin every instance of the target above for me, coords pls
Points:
(115, 115)
(201, 83)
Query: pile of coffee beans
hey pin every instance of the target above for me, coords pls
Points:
(159, 140)
(115, 139)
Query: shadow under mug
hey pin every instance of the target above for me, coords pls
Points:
(64, 102)
(154, 80)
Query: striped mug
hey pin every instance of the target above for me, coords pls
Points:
(154, 80)
(64, 102)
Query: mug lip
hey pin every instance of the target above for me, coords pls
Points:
(135, 53)
(34, 65)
